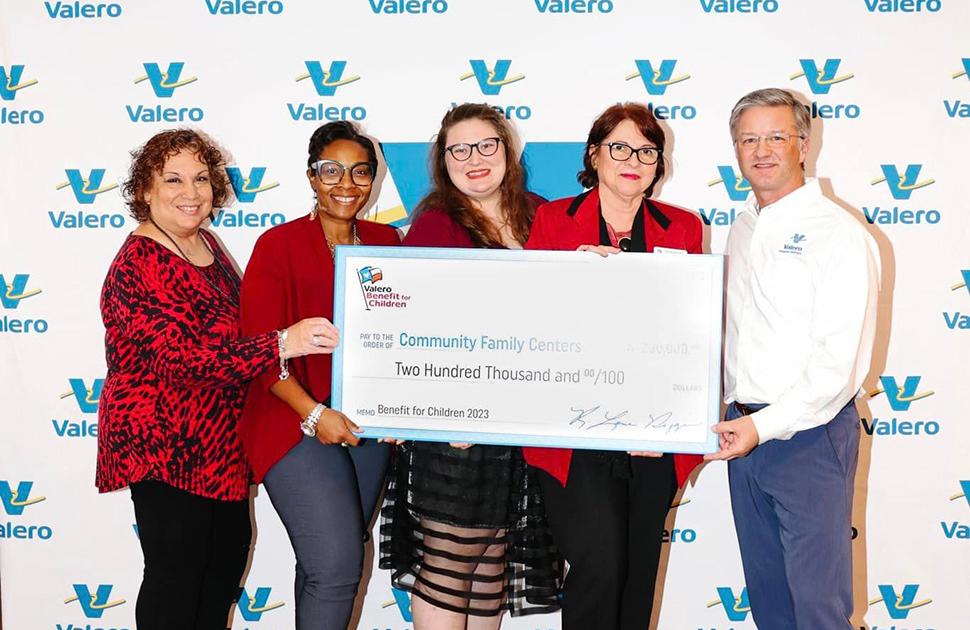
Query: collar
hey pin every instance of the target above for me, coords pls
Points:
(585, 208)
(795, 199)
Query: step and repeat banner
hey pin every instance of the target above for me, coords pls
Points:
(82, 84)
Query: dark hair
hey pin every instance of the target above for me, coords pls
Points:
(339, 130)
(604, 126)
(149, 160)
(516, 203)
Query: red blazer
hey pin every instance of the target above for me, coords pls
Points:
(289, 277)
(565, 224)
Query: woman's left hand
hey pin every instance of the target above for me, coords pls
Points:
(644, 454)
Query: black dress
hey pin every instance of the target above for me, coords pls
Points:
(465, 530)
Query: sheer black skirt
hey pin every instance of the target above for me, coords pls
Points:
(465, 530)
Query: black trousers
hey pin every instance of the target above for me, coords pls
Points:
(195, 554)
(608, 522)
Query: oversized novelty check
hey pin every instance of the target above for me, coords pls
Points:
(531, 348)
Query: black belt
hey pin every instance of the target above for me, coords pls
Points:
(746, 410)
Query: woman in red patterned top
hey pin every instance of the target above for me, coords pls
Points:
(177, 372)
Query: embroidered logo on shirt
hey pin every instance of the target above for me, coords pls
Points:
(793, 247)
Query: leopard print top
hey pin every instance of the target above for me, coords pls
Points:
(177, 372)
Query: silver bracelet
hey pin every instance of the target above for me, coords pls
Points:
(309, 424)
(281, 343)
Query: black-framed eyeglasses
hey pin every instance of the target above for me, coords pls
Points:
(330, 172)
(774, 140)
(621, 152)
(462, 151)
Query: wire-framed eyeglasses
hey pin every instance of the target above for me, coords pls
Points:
(749, 141)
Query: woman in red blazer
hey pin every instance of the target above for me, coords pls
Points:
(324, 491)
(606, 508)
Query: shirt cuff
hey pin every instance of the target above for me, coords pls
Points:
(772, 424)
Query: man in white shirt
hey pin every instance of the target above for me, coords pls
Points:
(803, 280)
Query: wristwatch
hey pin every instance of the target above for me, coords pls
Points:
(309, 424)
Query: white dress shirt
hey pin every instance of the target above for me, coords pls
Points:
(802, 288)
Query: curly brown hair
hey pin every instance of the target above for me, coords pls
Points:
(604, 125)
(516, 203)
(150, 158)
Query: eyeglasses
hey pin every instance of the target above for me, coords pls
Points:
(621, 153)
(774, 141)
(330, 172)
(462, 151)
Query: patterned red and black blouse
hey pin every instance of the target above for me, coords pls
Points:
(177, 372)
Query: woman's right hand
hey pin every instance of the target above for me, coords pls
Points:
(336, 428)
(314, 335)
(602, 250)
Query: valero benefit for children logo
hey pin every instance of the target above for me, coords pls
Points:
(377, 294)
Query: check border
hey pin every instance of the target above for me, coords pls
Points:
(344, 253)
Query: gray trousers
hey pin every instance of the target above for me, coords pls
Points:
(326, 495)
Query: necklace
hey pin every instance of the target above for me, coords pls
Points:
(355, 240)
(203, 271)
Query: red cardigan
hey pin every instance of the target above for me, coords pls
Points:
(289, 277)
(565, 224)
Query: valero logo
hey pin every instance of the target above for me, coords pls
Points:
(403, 601)
(15, 500)
(739, 6)
(737, 189)
(326, 82)
(899, 604)
(903, 6)
(11, 82)
(244, 7)
(87, 399)
(82, 10)
(956, 529)
(252, 607)
(403, 7)
(163, 84)
(820, 80)
(12, 292)
(656, 79)
(246, 187)
(956, 319)
(901, 184)
(574, 6)
(900, 396)
(94, 604)
(958, 108)
(492, 80)
(736, 607)
(86, 188)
